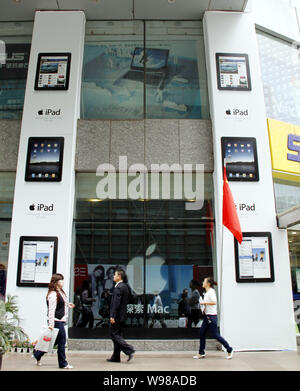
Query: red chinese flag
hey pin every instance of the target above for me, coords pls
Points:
(230, 216)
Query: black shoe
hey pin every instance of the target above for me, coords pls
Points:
(130, 356)
(111, 360)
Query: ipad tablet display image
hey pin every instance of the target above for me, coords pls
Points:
(53, 70)
(233, 72)
(44, 159)
(241, 158)
(37, 260)
(254, 258)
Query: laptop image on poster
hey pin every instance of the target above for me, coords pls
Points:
(156, 66)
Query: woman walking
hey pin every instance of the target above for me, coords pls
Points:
(210, 320)
(58, 306)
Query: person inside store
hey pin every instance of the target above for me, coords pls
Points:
(194, 304)
(58, 306)
(87, 301)
(210, 321)
(118, 311)
(158, 311)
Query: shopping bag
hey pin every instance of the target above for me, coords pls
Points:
(46, 340)
(182, 322)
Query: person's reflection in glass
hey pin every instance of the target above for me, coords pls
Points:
(104, 309)
(183, 305)
(77, 311)
(158, 309)
(194, 303)
(86, 301)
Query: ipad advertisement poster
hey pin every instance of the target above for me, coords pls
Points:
(37, 258)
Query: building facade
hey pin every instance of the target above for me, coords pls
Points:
(204, 94)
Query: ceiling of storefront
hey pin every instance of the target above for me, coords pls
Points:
(22, 10)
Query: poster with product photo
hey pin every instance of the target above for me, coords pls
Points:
(37, 261)
(113, 80)
(233, 72)
(254, 258)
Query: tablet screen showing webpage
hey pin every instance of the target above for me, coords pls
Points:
(53, 72)
(37, 262)
(233, 72)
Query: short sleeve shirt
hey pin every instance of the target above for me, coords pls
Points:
(210, 296)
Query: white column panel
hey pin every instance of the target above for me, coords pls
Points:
(253, 315)
(54, 31)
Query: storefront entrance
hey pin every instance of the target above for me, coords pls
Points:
(161, 245)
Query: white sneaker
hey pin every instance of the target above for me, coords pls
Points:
(230, 355)
(199, 356)
(38, 363)
(68, 367)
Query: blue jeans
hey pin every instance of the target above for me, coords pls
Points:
(60, 342)
(211, 322)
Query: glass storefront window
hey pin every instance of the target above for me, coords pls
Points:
(160, 244)
(287, 194)
(13, 73)
(107, 93)
(280, 66)
(122, 80)
(175, 51)
(7, 184)
(294, 248)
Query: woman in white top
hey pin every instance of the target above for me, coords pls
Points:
(210, 321)
(58, 307)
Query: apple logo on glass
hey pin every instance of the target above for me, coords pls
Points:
(135, 271)
(32, 207)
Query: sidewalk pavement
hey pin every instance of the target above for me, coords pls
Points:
(159, 361)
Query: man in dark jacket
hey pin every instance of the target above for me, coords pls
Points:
(118, 309)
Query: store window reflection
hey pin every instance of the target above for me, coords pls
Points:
(13, 73)
(280, 66)
(165, 255)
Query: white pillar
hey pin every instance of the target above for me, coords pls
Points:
(56, 32)
(254, 315)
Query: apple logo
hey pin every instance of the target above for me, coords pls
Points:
(40, 112)
(155, 279)
(228, 112)
(32, 207)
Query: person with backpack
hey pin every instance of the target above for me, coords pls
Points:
(58, 307)
(210, 321)
(118, 312)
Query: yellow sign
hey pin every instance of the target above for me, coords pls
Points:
(285, 147)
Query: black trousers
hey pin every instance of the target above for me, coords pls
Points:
(194, 317)
(116, 334)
